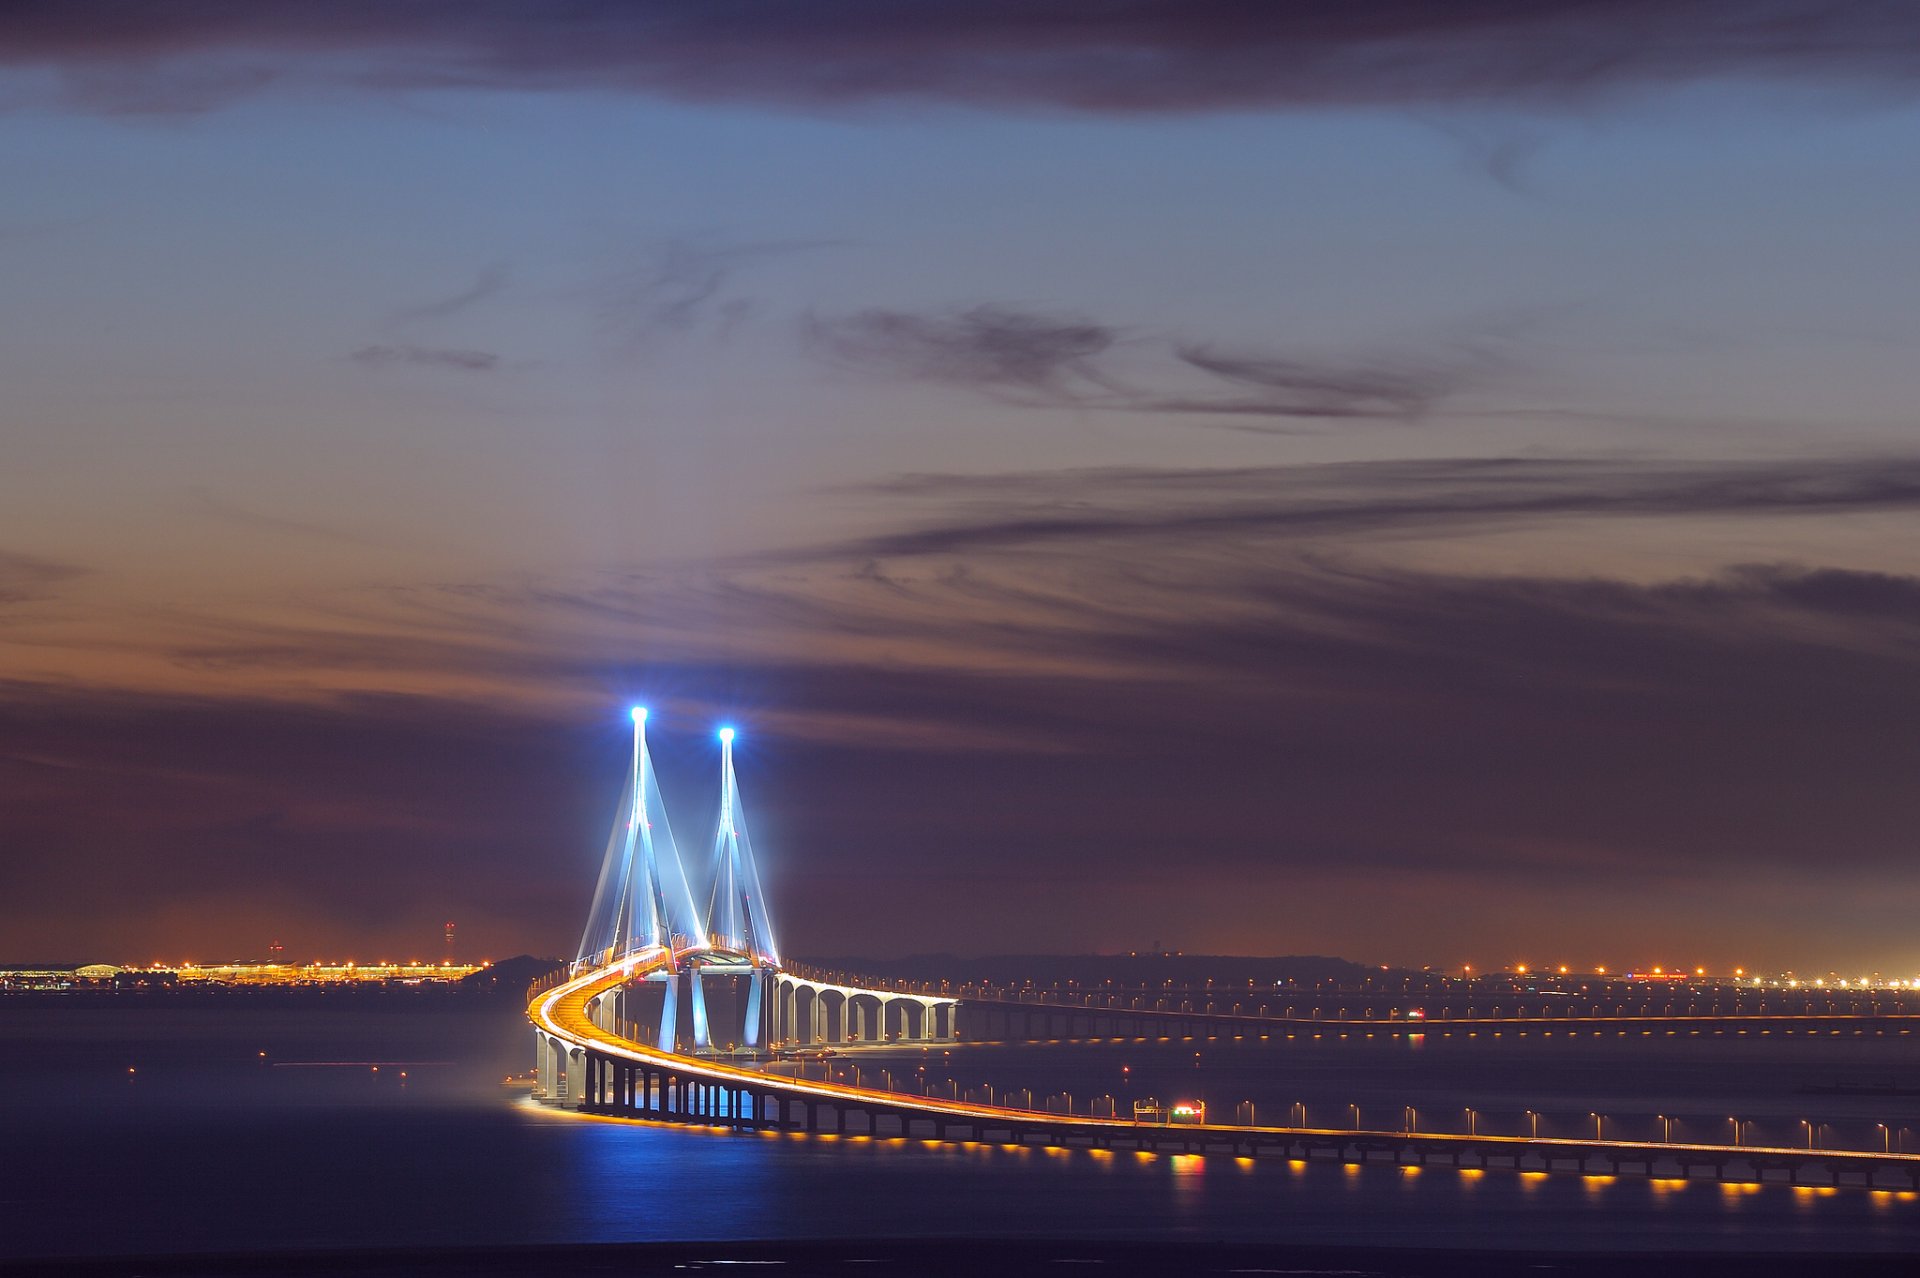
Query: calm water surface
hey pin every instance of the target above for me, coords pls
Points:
(210, 1145)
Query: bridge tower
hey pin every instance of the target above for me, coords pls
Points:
(737, 925)
(643, 901)
(736, 911)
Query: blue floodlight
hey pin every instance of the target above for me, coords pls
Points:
(726, 734)
(639, 714)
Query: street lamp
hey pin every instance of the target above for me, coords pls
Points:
(1413, 1119)
(1736, 1131)
(1809, 1126)
(1302, 1107)
(1886, 1138)
(1598, 1119)
(1666, 1129)
(1471, 1116)
(1535, 1117)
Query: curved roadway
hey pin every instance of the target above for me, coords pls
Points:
(562, 1013)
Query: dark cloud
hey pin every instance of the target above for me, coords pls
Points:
(27, 578)
(1198, 706)
(1242, 757)
(1281, 387)
(1346, 499)
(1031, 357)
(1054, 361)
(1135, 55)
(238, 822)
(426, 357)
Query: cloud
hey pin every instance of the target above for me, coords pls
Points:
(1055, 361)
(1291, 387)
(1193, 696)
(426, 357)
(1425, 496)
(29, 579)
(1134, 56)
(1032, 357)
(490, 283)
(685, 285)
(1196, 747)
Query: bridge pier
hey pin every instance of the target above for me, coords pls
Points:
(701, 1038)
(756, 980)
(669, 1012)
(576, 1066)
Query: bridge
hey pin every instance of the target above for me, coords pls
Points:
(707, 980)
(674, 1013)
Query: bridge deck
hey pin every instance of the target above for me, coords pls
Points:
(563, 1013)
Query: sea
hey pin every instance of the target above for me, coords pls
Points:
(145, 1127)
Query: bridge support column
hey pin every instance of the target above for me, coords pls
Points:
(701, 1040)
(576, 1077)
(670, 1012)
(750, 1032)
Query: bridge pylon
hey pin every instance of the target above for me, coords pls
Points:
(739, 934)
(643, 900)
(737, 919)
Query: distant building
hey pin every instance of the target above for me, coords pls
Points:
(59, 977)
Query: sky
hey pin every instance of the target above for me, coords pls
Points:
(1425, 484)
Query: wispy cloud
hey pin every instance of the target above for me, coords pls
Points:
(1053, 361)
(490, 283)
(1424, 495)
(684, 285)
(384, 356)
(28, 578)
(1036, 358)
(1287, 386)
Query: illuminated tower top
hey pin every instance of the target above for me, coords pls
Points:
(736, 911)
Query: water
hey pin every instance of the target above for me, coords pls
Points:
(211, 1146)
(1698, 1081)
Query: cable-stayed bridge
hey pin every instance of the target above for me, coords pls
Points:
(711, 980)
(668, 1012)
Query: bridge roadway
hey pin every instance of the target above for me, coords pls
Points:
(987, 1019)
(618, 1076)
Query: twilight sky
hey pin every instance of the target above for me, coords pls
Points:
(1424, 483)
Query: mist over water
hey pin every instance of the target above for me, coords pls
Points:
(209, 1145)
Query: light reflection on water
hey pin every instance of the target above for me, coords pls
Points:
(211, 1146)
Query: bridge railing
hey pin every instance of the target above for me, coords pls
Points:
(867, 981)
